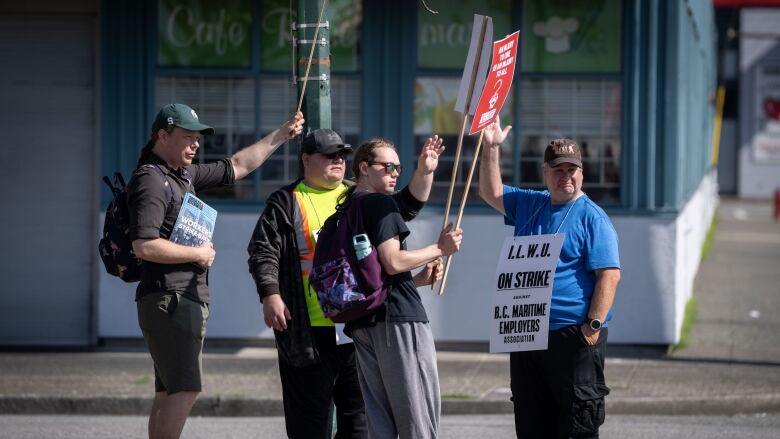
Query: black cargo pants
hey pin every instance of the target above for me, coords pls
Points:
(559, 392)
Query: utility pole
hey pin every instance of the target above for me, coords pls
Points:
(316, 100)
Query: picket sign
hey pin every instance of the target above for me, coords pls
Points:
(494, 93)
(520, 315)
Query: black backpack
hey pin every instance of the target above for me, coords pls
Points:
(116, 248)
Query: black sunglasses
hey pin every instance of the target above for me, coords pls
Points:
(389, 167)
(333, 155)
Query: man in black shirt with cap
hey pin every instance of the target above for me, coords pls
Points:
(172, 296)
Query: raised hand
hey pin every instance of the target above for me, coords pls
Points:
(494, 136)
(429, 154)
(293, 127)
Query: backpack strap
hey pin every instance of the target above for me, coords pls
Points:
(117, 186)
(166, 183)
(353, 212)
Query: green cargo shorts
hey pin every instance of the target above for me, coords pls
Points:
(174, 327)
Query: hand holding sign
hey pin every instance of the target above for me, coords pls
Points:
(430, 273)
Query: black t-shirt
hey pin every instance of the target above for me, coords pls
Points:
(382, 221)
(153, 213)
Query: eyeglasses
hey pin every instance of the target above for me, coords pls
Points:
(389, 167)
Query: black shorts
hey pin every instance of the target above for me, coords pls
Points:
(174, 327)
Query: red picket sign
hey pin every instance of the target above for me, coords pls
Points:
(498, 84)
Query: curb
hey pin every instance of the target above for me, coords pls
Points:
(205, 406)
(696, 405)
(217, 406)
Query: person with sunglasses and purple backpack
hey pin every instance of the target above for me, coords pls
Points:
(394, 344)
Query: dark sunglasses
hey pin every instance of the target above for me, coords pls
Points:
(334, 155)
(389, 167)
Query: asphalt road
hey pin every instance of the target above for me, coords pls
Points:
(455, 427)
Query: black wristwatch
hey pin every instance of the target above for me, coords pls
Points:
(595, 324)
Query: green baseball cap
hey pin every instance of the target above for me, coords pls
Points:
(181, 116)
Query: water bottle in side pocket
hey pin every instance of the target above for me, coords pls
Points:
(362, 245)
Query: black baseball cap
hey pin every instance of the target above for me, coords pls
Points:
(324, 141)
(182, 116)
(561, 151)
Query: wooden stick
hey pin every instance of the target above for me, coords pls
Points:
(311, 55)
(472, 80)
(462, 207)
(454, 174)
(456, 164)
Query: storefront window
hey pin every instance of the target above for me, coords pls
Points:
(442, 46)
(434, 102)
(203, 35)
(228, 105)
(279, 98)
(588, 111)
(279, 95)
(443, 39)
(568, 84)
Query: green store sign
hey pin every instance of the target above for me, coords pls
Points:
(443, 39)
(200, 33)
(193, 33)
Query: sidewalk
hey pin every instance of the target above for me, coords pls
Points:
(732, 363)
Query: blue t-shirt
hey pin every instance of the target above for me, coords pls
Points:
(591, 243)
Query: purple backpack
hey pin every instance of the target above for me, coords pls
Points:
(346, 273)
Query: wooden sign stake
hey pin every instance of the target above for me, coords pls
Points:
(456, 164)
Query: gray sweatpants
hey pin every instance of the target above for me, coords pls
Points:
(399, 379)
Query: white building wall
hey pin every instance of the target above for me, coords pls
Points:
(692, 226)
(659, 257)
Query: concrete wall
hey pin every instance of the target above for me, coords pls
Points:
(660, 257)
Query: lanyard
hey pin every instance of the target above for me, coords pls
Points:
(566, 215)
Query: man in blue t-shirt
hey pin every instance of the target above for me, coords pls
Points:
(559, 392)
